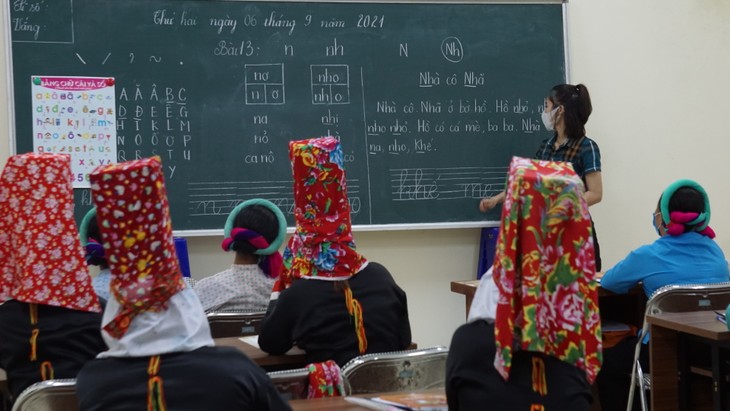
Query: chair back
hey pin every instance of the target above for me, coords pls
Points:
(291, 384)
(235, 323)
(49, 395)
(690, 297)
(674, 299)
(407, 370)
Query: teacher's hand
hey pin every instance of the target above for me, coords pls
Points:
(487, 204)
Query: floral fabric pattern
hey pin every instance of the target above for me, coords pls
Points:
(325, 380)
(545, 269)
(322, 246)
(42, 258)
(7, 258)
(136, 229)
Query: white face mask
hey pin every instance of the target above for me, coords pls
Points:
(548, 118)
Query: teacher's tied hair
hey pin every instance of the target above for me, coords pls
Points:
(257, 227)
(577, 107)
(685, 207)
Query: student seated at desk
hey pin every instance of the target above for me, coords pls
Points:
(91, 241)
(684, 253)
(255, 230)
(161, 355)
(50, 318)
(532, 340)
(334, 304)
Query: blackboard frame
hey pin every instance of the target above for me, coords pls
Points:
(358, 227)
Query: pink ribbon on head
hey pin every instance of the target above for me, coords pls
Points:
(241, 234)
(678, 219)
(271, 264)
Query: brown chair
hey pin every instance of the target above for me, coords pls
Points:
(673, 299)
(407, 370)
(291, 384)
(49, 395)
(235, 323)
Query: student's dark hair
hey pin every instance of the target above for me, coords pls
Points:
(687, 199)
(577, 107)
(259, 219)
(92, 231)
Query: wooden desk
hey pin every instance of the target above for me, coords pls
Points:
(468, 288)
(669, 361)
(324, 404)
(339, 403)
(294, 358)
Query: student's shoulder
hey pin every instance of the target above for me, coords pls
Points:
(645, 254)
(210, 281)
(472, 343)
(225, 360)
(228, 353)
(474, 331)
(377, 267)
(375, 271)
(11, 307)
(99, 367)
(13, 316)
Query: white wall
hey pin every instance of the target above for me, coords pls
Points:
(657, 71)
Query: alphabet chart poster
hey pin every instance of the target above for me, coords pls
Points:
(76, 116)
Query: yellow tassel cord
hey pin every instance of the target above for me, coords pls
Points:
(33, 314)
(155, 393)
(539, 381)
(355, 310)
(46, 371)
(34, 332)
(33, 344)
(46, 367)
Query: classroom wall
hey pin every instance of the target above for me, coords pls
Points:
(657, 71)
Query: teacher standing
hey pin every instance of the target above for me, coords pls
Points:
(566, 112)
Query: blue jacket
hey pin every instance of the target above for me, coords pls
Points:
(689, 258)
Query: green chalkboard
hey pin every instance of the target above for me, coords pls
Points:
(430, 100)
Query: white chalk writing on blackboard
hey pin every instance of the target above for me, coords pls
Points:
(220, 198)
(446, 183)
(265, 84)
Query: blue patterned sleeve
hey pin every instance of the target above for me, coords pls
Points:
(590, 156)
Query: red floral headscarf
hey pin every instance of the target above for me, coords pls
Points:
(7, 258)
(42, 258)
(134, 220)
(321, 247)
(545, 269)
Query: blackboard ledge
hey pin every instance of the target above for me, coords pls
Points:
(375, 227)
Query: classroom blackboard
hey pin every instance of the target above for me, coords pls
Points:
(430, 100)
